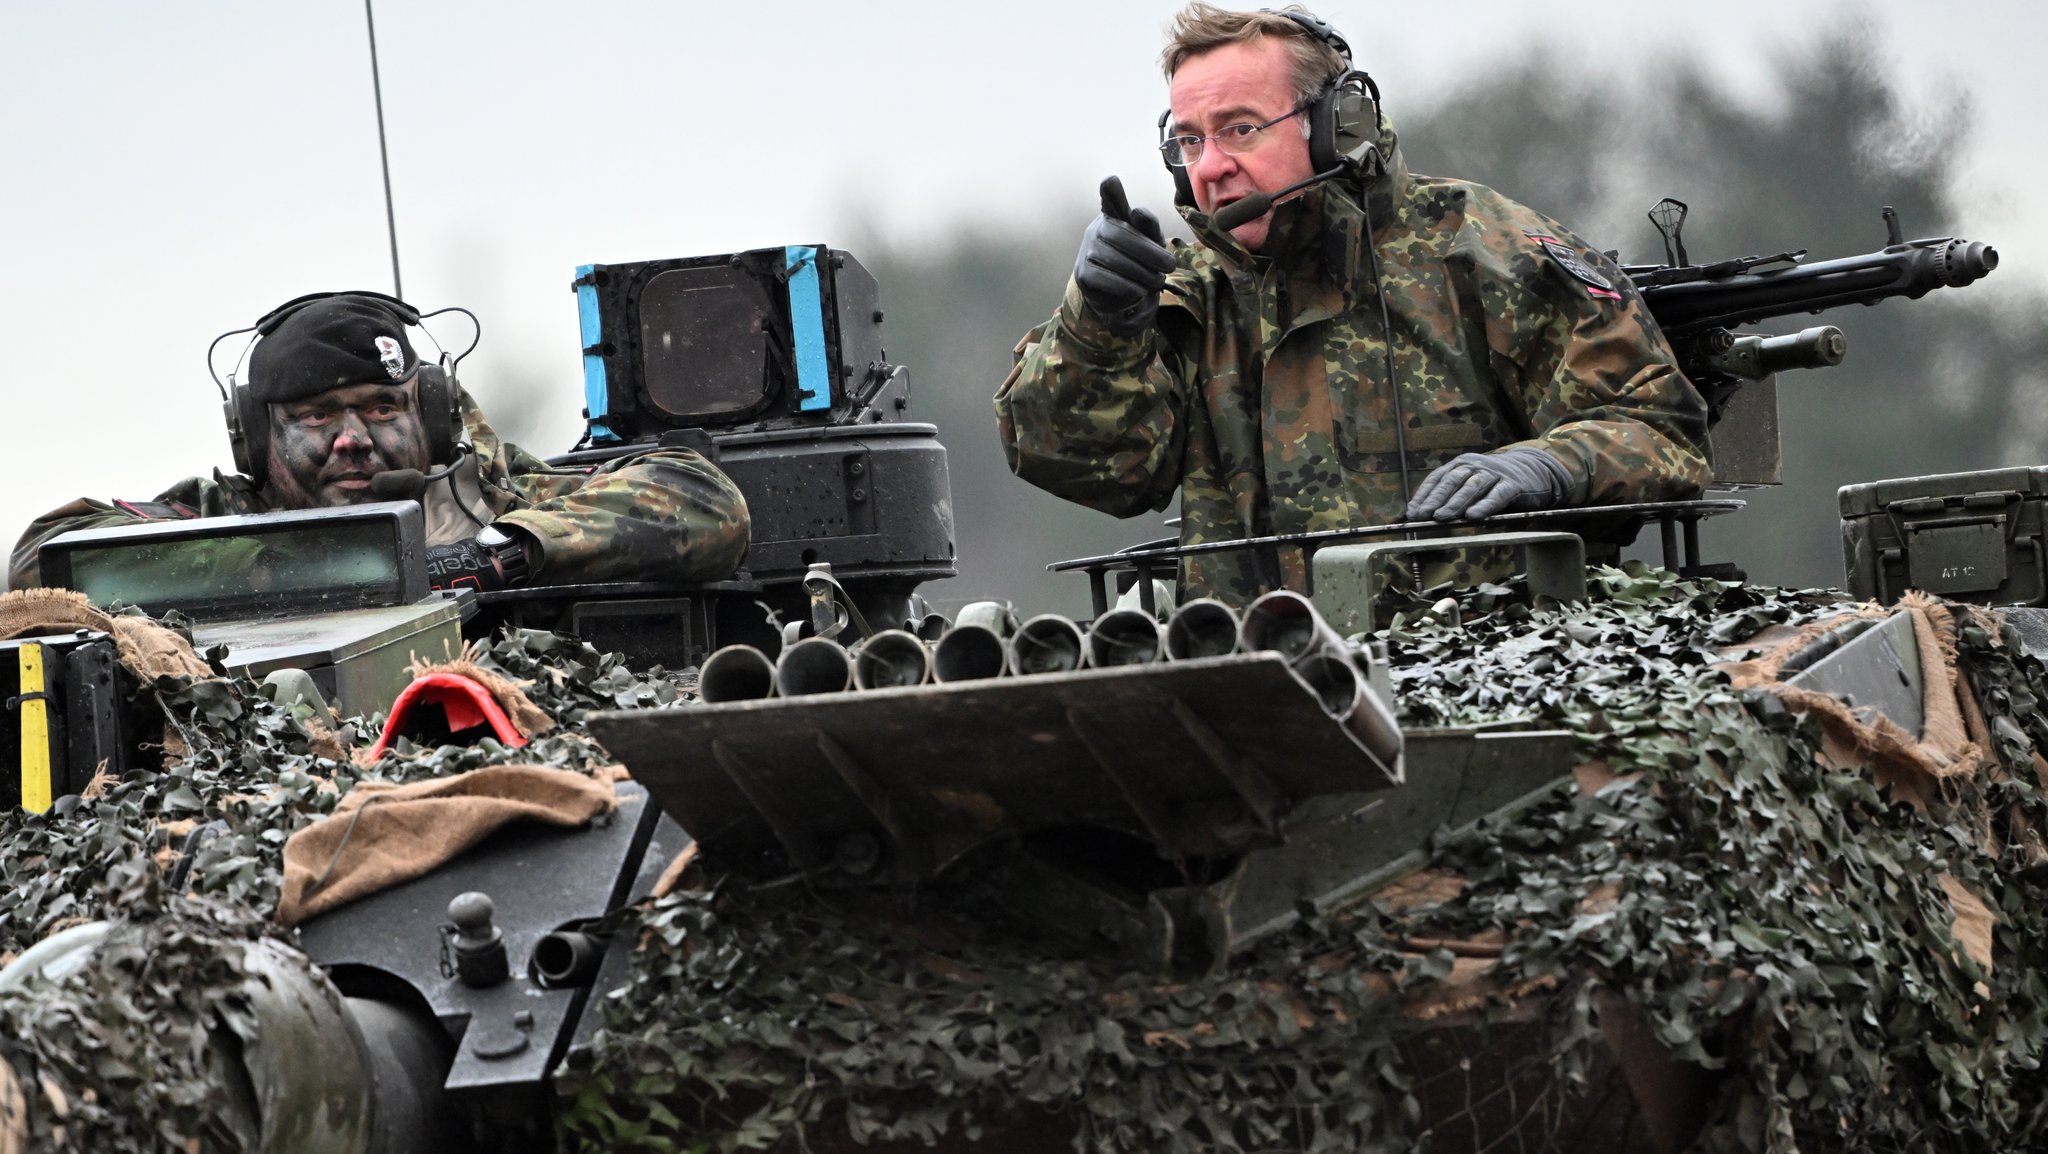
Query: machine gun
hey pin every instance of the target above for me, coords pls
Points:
(1698, 305)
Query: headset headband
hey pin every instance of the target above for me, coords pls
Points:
(1319, 28)
(248, 421)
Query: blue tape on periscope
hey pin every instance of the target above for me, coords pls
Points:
(807, 328)
(596, 395)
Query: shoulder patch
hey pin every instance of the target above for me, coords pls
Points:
(1575, 266)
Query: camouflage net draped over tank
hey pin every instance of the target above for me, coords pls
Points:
(1773, 917)
(118, 1061)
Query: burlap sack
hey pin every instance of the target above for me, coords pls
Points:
(147, 649)
(379, 836)
(1911, 768)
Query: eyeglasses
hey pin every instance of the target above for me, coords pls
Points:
(1235, 139)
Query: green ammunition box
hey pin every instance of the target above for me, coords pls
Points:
(1966, 536)
(360, 659)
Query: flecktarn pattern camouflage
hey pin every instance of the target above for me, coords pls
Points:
(1261, 395)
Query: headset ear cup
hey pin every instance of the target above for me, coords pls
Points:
(438, 418)
(1322, 129)
(1355, 122)
(1183, 188)
(249, 435)
(235, 442)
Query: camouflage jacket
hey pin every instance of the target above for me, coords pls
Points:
(667, 514)
(1260, 394)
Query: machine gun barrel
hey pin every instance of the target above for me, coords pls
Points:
(1688, 301)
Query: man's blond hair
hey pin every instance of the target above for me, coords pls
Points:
(1201, 28)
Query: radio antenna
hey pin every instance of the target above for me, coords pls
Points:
(383, 153)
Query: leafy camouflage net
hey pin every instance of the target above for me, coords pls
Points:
(1778, 922)
(1773, 914)
(260, 772)
(100, 1083)
(1782, 923)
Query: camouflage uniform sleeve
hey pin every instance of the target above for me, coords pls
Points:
(192, 497)
(1596, 379)
(662, 515)
(1094, 417)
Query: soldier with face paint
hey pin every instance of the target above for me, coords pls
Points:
(1249, 371)
(340, 385)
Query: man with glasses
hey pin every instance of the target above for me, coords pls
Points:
(340, 392)
(1250, 370)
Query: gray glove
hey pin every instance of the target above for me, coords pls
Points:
(1476, 485)
(1123, 263)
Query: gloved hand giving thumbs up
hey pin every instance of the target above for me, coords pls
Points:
(1123, 263)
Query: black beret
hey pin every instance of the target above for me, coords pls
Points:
(327, 344)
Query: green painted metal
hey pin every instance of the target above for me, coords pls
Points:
(360, 659)
(1966, 536)
(1350, 584)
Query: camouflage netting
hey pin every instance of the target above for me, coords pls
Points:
(1773, 918)
(1857, 967)
(116, 1058)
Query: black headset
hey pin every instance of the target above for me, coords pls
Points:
(1344, 122)
(248, 419)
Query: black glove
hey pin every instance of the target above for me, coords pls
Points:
(493, 559)
(1476, 485)
(1123, 263)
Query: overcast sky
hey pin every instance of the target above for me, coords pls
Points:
(170, 171)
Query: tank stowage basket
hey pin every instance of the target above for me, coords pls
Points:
(1966, 536)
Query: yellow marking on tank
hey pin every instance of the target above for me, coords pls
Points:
(35, 731)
